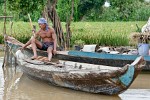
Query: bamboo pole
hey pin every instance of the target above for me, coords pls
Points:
(30, 22)
(33, 27)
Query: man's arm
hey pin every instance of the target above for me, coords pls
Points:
(29, 42)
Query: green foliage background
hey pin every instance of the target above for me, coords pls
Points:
(84, 10)
(93, 22)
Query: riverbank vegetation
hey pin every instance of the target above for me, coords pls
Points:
(92, 22)
(102, 33)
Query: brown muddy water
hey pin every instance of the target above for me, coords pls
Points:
(14, 85)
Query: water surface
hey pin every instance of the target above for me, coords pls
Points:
(14, 85)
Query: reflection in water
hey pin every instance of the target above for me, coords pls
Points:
(9, 79)
(16, 86)
(35, 90)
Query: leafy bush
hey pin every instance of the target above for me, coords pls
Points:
(141, 14)
(109, 14)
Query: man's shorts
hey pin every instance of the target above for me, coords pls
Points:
(45, 45)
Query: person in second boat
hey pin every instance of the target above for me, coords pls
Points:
(49, 40)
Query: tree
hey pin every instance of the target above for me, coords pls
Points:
(23, 7)
(51, 10)
(64, 9)
(125, 7)
(85, 7)
(81, 8)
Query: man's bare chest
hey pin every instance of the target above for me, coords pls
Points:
(45, 35)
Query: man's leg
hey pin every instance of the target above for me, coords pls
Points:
(35, 43)
(49, 51)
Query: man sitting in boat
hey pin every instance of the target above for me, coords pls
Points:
(49, 40)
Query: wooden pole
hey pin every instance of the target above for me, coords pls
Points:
(30, 22)
(4, 34)
(68, 30)
(10, 49)
(11, 25)
(6, 53)
(33, 27)
(6, 17)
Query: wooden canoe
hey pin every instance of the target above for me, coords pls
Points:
(81, 76)
(114, 60)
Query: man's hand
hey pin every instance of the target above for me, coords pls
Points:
(33, 31)
(21, 48)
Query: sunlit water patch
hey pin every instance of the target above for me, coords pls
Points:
(136, 94)
(1, 79)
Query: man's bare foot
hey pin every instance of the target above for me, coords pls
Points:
(33, 58)
(46, 60)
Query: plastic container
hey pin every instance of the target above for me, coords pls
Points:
(143, 49)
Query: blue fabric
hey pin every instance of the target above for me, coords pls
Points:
(43, 21)
(45, 45)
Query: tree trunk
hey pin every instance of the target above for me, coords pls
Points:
(68, 30)
(52, 14)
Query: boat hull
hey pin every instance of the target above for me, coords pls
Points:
(93, 81)
(90, 78)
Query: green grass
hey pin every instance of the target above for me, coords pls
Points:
(102, 33)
